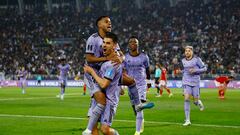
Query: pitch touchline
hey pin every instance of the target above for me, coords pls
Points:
(32, 98)
(132, 121)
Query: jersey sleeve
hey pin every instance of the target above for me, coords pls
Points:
(90, 47)
(201, 65)
(146, 62)
(110, 72)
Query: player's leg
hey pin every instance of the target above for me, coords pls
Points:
(84, 89)
(62, 92)
(128, 81)
(23, 86)
(100, 99)
(95, 130)
(157, 86)
(106, 120)
(196, 96)
(140, 114)
(187, 93)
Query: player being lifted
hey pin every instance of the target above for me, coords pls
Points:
(163, 81)
(136, 65)
(108, 81)
(63, 69)
(94, 58)
(23, 74)
(192, 68)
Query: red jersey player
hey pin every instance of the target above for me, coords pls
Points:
(163, 82)
(222, 82)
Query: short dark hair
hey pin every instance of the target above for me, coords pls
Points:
(133, 37)
(112, 36)
(100, 18)
(231, 77)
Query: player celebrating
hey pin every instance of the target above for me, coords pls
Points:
(222, 82)
(157, 77)
(163, 82)
(137, 66)
(63, 68)
(107, 80)
(94, 59)
(23, 74)
(193, 67)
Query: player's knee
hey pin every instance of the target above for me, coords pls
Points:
(105, 129)
(100, 98)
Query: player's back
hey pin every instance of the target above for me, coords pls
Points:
(94, 46)
(113, 73)
(222, 79)
(136, 67)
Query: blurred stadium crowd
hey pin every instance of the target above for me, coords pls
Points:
(37, 38)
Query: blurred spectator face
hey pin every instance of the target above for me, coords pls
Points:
(188, 53)
(133, 44)
(105, 24)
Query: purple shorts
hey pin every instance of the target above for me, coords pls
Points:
(108, 114)
(192, 90)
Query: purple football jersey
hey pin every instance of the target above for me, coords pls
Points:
(23, 74)
(112, 73)
(199, 67)
(63, 71)
(136, 67)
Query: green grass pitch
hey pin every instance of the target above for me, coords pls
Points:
(39, 112)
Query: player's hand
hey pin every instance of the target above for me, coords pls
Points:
(192, 70)
(115, 59)
(88, 69)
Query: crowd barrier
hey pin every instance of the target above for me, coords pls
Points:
(80, 83)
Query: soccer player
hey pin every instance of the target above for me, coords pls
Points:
(157, 77)
(23, 74)
(193, 67)
(108, 81)
(136, 65)
(222, 82)
(63, 68)
(94, 58)
(163, 82)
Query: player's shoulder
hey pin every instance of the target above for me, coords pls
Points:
(127, 54)
(93, 36)
(143, 54)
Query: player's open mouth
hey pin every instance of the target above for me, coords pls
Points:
(104, 50)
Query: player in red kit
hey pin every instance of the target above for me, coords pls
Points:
(222, 82)
(163, 82)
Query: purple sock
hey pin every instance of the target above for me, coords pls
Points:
(187, 109)
(139, 120)
(96, 112)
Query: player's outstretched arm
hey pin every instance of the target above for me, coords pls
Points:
(103, 82)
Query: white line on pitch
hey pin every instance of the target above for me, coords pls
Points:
(132, 121)
(33, 98)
